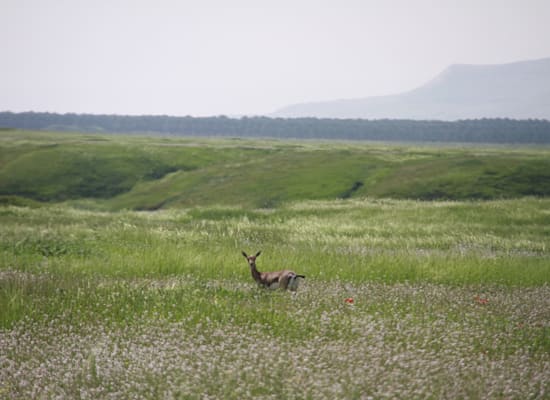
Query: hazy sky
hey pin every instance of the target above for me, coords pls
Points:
(213, 57)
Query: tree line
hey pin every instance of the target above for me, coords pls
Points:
(493, 130)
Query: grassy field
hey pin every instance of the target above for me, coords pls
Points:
(450, 300)
(113, 172)
(403, 298)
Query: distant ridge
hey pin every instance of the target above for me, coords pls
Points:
(519, 90)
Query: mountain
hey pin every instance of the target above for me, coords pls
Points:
(519, 90)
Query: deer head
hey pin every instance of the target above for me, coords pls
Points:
(251, 259)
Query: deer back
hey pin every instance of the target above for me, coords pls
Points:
(277, 279)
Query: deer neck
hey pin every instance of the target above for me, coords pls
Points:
(255, 273)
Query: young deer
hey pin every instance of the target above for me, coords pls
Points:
(284, 279)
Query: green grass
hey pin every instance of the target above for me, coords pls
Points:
(124, 172)
(450, 298)
(389, 242)
(156, 304)
(468, 176)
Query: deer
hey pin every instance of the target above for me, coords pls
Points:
(284, 279)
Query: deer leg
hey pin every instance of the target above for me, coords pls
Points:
(283, 283)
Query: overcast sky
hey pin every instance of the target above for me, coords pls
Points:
(237, 57)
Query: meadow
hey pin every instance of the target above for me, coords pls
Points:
(450, 299)
(402, 298)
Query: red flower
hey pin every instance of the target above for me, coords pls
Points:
(481, 300)
(349, 300)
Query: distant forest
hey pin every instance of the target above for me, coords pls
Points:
(473, 131)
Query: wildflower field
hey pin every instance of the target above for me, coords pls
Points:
(402, 299)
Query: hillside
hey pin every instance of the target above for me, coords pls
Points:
(518, 90)
(124, 172)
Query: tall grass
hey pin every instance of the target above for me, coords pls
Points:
(449, 300)
(388, 241)
(51, 253)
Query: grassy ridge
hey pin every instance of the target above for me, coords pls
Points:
(117, 172)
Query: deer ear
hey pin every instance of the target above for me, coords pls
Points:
(244, 254)
(258, 253)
